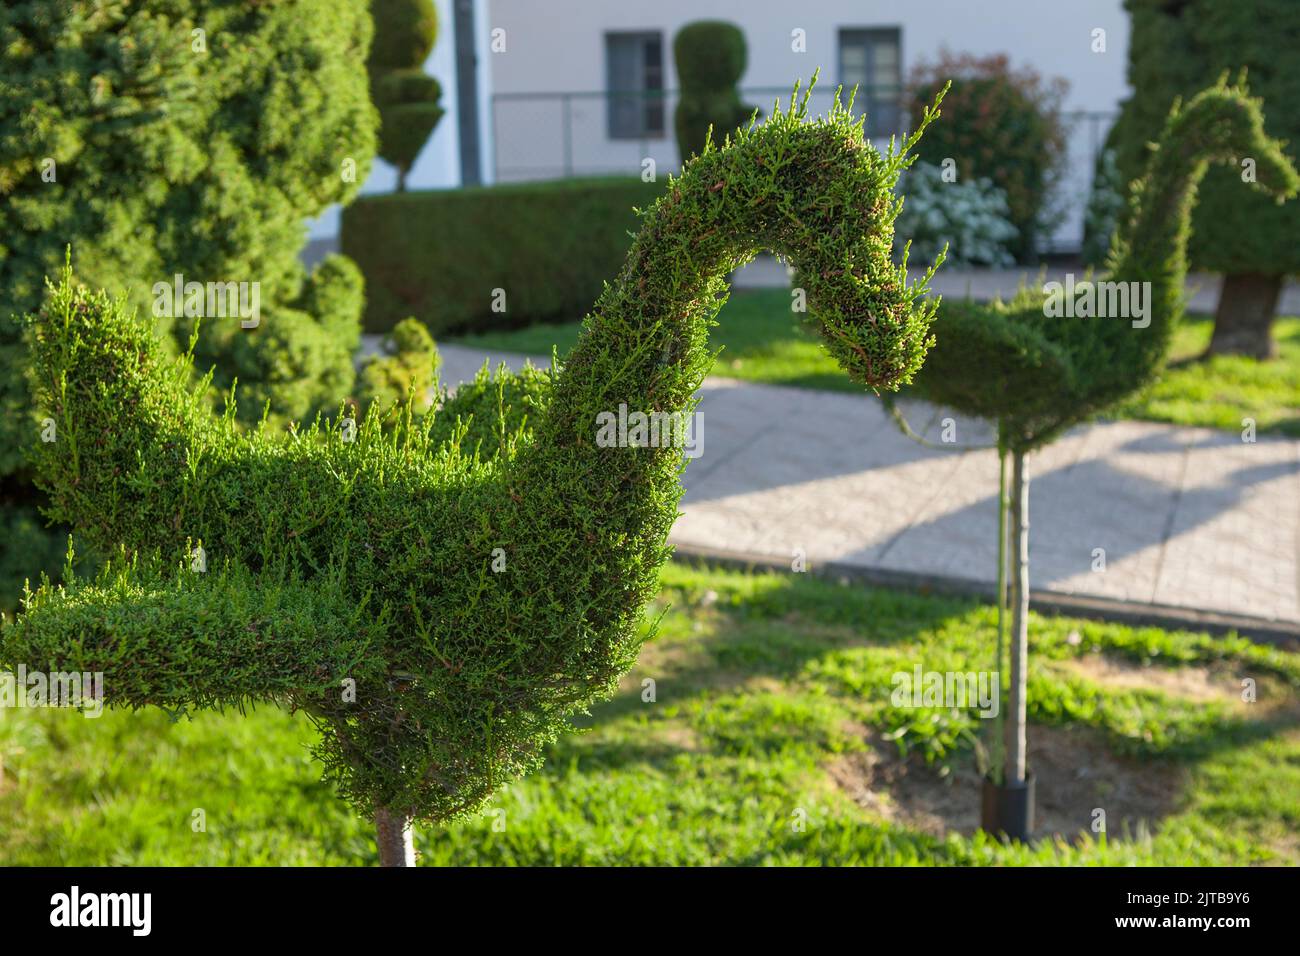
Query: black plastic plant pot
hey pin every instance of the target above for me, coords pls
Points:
(1008, 809)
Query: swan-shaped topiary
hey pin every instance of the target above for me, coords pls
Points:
(1036, 371)
(443, 595)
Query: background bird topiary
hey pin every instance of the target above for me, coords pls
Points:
(192, 137)
(442, 593)
(710, 56)
(1035, 373)
(406, 96)
(1175, 50)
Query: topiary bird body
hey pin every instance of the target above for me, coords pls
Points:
(479, 575)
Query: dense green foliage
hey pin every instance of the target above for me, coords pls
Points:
(772, 691)
(502, 594)
(1037, 374)
(1001, 124)
(191, 137)
(441, 255)
(1174, 51)
(407, 98)
(710, 58)
(205, 162)
(1105, 206)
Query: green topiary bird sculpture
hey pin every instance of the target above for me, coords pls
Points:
(441, 595)
(1038, 364)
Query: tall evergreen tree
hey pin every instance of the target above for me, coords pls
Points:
(182, 137)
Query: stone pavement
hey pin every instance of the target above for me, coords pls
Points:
(1190, 519)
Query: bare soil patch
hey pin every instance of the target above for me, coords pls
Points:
(1075, 774)
(1188, 682)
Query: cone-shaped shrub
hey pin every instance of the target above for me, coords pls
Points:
(407, 98)
(467, 594)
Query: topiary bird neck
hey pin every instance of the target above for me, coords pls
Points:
(590, 507)
(814, 194)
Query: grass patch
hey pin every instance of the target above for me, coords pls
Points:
(760, 338)
(763, 341)
(1220, 392)
(764, 684)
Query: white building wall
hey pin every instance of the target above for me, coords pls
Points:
(558, 46)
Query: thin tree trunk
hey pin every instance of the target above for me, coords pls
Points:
(401, 180)
(1015, 726)
(393, 835)
(1243, 321)
(997, 761)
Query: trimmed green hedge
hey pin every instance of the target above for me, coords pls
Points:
(440, 254)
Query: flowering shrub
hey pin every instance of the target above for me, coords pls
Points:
(1001, 123)
(970, 218)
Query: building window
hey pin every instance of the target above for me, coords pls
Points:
(634, 74)
(870, 60)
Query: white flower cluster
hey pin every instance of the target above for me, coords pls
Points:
(971, 217)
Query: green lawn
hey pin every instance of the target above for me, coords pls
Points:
(763, 341)
(772, 706)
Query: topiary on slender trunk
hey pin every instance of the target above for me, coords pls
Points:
(407, 97)
(710, 57)
(444, 594)
(1037, 371)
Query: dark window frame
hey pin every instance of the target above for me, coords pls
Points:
(868, 99)
(636, 114)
